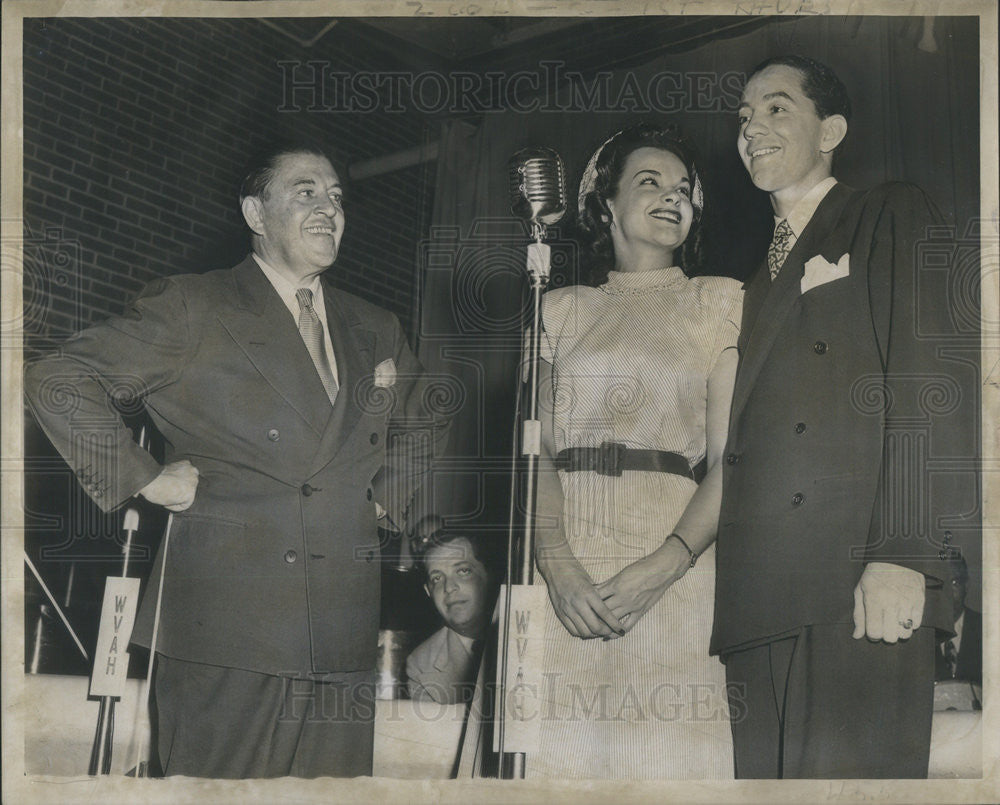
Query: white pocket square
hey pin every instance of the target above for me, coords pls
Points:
(819, 271)
(385, 374)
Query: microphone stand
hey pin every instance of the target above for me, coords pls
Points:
(100, 753)
(512, 765)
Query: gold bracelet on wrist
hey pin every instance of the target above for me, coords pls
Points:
(680, 539)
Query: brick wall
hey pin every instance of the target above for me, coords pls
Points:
(135, 134)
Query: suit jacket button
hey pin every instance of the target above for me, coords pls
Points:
(307, 490)
(273, 434)
(819, 347)
(800, 427)
(369, 556)
(368, 493)
(291, 556)
(373, 438)
(732, 458)
(797, 499)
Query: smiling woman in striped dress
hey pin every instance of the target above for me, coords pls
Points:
(638, 373)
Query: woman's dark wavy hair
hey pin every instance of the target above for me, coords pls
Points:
(595, 218)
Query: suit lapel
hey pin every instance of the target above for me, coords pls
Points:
(452, 653)
(353, 348)
(771, 305)
(263, 329)
(971, 650)
(755, 289)
(442, 655)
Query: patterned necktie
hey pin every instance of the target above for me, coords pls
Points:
(951, 657)
(780, 246)
(311, 329)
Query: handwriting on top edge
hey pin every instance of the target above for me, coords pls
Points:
(790, 7)
(740, 8)
(496, 9)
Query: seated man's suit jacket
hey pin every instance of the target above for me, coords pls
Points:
(970, 652)
(275, 567)
(442, 668)
(846, 395)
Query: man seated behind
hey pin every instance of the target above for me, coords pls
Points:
(443, 668)
(961, 657)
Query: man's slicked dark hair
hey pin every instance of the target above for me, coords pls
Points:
(819, 82)
(444, 536)
(261, 166)
(959, 567)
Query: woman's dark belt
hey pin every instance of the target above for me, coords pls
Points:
(612, 458)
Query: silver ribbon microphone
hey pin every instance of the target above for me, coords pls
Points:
(537, 188)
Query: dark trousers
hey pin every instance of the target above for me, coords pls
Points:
(821, 705)
(228, 723)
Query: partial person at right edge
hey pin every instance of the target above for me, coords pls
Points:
(834, 527)
(958, 670)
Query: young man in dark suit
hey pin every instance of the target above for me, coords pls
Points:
(831, 576)
(284, 404)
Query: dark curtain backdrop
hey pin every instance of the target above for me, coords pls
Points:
(915, 118)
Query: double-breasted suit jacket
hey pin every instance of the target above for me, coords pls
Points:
(274, 568)
(844, 396)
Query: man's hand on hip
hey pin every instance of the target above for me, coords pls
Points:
(888, 602)
(174, 487)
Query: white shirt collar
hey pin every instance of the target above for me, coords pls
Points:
(465, 641)
(806, 206)
(286, 290)
(957, 639)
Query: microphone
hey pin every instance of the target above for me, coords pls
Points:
(537, 187)
(538, 195)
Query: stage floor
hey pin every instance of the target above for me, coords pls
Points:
(413, 740)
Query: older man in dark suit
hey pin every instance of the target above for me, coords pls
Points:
(831, 576)
(287, 407)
